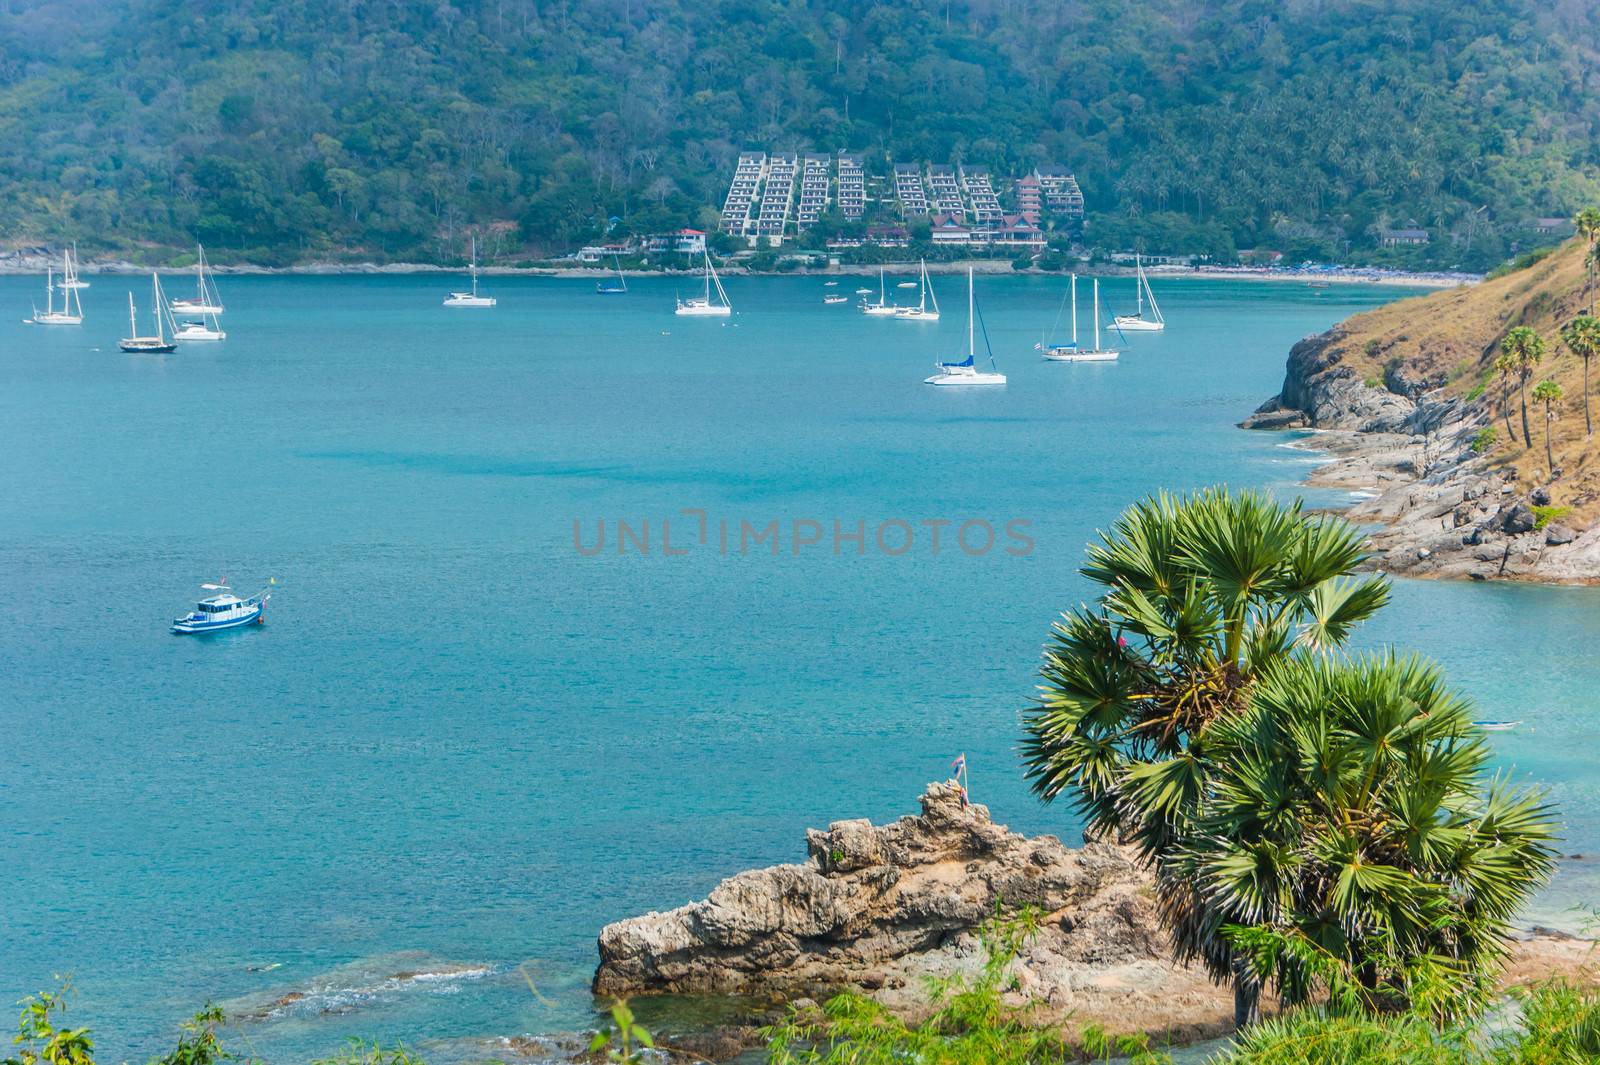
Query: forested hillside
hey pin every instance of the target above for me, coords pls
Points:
(285, 130)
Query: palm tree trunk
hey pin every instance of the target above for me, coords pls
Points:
(1246, 998)
(1505, 408)
(1588, 426)
(1522, 393)
(1549, 457)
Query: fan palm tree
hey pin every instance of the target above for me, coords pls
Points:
(1582, 335)
(1351, 841)
(1199, 596)
(1587, 222)
(1549, 393)
(1506, 366)
(1526, 348)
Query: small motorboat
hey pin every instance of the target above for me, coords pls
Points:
(835, 299)
(224, 610)
(1497, 726)
(863, 292)
(830, 284)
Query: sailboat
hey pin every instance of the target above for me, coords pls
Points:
(470, 299)
(71, 312)
(1071, 352)
(158, 344)
(883, 308)
(1143, 293)
(619, 288)
(70, 279)
(704, 306)
(964, 372)
(922, 312)
(207, 301)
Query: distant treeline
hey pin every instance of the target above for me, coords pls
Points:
(284, 130)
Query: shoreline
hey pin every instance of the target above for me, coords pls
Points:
(18, 265)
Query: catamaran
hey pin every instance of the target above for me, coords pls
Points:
(206, 300)
(617, 288)
(222, 611)
(71, 280)
(883, 308)
(1143, 293)
(1071, 352)
(922, 312)
(71, 312)
(704, 306)
(158, 344)
(470, 299)
(964, 372)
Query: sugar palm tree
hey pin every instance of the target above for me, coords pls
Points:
(1582, 335)
(1587, 222)
(1526, 348)
(1351, 840)
(1198, 596)
(1506, 366)
(1549, 393)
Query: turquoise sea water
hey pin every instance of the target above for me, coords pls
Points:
(460, 745)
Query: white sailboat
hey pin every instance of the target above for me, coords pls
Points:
(71, 312)
(70, 279)
(965, 372)
(1071, 352)
(206, 301)
(883, 308)
(1143, 294)
(151, 345)
(470, 299)
(704, 306)
(922, 312)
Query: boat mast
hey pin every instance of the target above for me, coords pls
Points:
(882, 297)
(49, 290)
(155, 296)
(1074, 310)
(1097, 314)
(133, 321)
(922, 296)
(474, 266)
(972, 348)
(1138, 288)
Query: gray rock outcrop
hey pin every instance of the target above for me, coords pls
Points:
(877, 908)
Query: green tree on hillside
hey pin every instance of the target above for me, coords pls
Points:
(1548, 392)
(1587, 222)
(1505, 366)
(1582, 336)
(1525, 349)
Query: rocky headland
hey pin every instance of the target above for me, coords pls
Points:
(1426, 436)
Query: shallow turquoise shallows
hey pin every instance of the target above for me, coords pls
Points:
(459, 744)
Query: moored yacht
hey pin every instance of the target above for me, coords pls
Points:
(704, 306)
(223, 610)
(470, 299)
(151, 345)
(922, 312)
(965, 372)
(1142, 292)
(883, 308)
(206, 301)
(1072, 352)
(71, 312)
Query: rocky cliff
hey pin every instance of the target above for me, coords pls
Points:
(878, 907)
(1426, 437)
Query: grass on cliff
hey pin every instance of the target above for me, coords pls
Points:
(1450, 340)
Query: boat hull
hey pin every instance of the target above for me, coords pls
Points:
(200, 334)
(193, 307)
(469, 301)
(1138, 325)
(56, 319)
(1081, 356)
(185, 627)
(695, 311)
(874, 311)
(153, 347)
(916, 315)
(958, 380)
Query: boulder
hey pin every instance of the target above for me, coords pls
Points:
(1519, 519)
(1539, 497)
(1556, 534)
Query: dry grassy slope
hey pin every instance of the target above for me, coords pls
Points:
(1452, 338)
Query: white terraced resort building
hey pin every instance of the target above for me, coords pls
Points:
(813, 191)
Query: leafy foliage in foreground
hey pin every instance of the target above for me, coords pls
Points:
(289, 129)
(1319, 824)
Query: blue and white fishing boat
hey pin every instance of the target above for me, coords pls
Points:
(223, 610)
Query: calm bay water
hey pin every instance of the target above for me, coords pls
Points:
(459, 745)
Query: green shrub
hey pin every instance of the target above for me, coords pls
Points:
(1545, 515)
(1521, 262)
(1373, 382)
(1484, 439)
